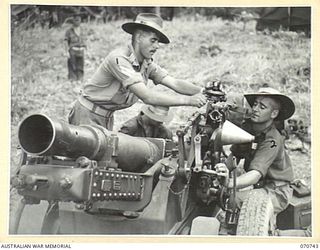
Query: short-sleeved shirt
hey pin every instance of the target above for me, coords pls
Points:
(73, 39)
(109, 85)
(137, 127)
(269, 156)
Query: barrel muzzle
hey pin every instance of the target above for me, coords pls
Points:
(40, 135)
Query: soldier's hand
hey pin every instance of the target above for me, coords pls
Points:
(198, 100)
(223, 172)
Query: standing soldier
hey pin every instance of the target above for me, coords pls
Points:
(122, 77)
(75, 47)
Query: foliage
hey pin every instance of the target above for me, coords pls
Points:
(54, 15)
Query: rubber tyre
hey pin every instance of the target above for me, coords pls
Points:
(256, 215)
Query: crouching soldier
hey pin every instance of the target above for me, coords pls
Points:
(267, 165)
(149, 123)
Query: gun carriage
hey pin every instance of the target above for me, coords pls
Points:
(101, 182)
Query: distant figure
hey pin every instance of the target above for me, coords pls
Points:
(149, 123)
(75, 47)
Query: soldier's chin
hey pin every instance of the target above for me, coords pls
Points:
(254, 119)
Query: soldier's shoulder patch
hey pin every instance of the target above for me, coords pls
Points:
(273, 143)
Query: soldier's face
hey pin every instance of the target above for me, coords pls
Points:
(148, 44)
(264, 110)
(77, 21)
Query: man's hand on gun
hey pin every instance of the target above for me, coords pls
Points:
(198, 100)
(223, 172)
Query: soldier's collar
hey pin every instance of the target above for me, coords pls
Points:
(265, 131)
(133, 59)
(248, 126)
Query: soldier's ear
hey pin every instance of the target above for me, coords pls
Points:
(274, 113)
(137, 35)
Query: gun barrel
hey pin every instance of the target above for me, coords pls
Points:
(40, 135)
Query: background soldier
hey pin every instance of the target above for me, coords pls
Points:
(75, 47)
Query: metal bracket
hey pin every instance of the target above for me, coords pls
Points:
(181, 149)
(197, 149)
(112, 151)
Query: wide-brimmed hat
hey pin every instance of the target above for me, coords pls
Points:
(287, 105)
(147, 20)
(157, 113)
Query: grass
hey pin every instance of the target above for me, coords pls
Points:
(246, 59)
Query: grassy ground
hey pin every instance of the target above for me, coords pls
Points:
(243, 58)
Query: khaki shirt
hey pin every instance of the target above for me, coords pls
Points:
(269, 157)
(120, 69)
(73, 39)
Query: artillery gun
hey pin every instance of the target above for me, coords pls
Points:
(101, 182)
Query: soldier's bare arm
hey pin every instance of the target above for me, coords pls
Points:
(181, 86)
(152, 97)
(245, 180)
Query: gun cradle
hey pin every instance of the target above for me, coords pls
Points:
(63, 183)
(124, 190)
